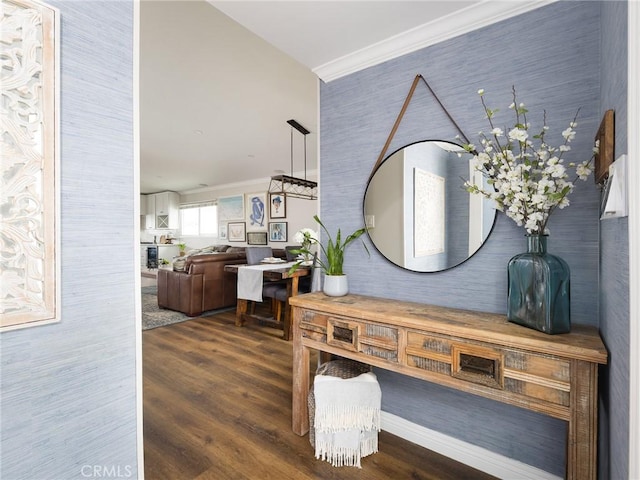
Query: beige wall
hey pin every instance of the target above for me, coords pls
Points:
(299, 212)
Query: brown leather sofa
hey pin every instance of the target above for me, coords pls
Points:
(203, 285)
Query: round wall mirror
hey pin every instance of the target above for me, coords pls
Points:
(418, 214)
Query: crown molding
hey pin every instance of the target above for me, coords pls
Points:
(463, 21)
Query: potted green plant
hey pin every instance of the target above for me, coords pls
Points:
(182, 247)
(332, 258)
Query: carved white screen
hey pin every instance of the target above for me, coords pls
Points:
(29, 165)
(429, 215)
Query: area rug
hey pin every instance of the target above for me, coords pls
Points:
(154, 316)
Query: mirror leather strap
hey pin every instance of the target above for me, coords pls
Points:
(401, 114)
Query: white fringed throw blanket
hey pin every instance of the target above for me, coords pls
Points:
(347, 418)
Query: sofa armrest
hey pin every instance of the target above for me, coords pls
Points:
(180, 291)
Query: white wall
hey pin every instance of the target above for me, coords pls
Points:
(299, 212)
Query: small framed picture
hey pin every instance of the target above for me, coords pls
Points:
(277, 205)
(236, 231)
(222, 232)
(278, 231)
(257, 238)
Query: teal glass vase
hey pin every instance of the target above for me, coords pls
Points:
(539, 296)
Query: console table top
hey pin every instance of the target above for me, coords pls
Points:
(582, 343)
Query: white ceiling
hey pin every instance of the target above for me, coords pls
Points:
(219, 79)
(318, 32)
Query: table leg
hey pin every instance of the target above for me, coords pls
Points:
(241, 309)
(292, 289)
(300, 414)
(582, 450)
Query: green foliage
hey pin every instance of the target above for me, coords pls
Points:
(333, 253)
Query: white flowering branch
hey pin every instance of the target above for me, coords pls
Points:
(528, 181)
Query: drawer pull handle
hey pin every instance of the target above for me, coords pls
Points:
(477, 364)
(343, 334)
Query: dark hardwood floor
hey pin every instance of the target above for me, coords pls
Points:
(217, 405)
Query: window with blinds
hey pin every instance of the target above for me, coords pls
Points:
(199, 219)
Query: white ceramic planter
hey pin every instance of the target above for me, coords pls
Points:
(335, 285)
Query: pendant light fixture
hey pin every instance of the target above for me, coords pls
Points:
(289, 185)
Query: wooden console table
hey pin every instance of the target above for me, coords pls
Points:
(479, 353)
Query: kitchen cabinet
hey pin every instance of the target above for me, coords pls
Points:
(150, 214)
(162, 203)
(147, 212)
(162, 211)
(166, 210)
(143, 256)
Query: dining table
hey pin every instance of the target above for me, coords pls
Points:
(251, 279)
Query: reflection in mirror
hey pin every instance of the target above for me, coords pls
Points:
(419, 215)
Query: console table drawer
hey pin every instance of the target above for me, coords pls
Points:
(533, 375)
(375, 340)
(379, 341)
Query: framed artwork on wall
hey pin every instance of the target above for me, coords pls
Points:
(605, 138)
(277, 205)
(30, 178)
(236, 231)
(278, 231)
(222, 232)
(256, 212)
(429, 208)
(257, 238)
(231, 208)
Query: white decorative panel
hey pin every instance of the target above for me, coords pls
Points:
(28, 166)
(428, 208)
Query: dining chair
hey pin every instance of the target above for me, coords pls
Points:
(278, 292)
(289, 251)
(255, 255)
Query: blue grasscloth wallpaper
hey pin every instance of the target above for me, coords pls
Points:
(69, 389)
(552, 57)
(614, 260)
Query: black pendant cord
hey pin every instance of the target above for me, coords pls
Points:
(401, 114)
(291, 149)
(304, 133)
(305, 156)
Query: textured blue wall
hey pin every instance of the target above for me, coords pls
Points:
(552, 57)
(614, 260)
(68, 389)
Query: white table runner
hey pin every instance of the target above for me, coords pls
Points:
(250, 279)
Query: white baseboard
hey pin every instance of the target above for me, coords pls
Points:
(466, 453)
